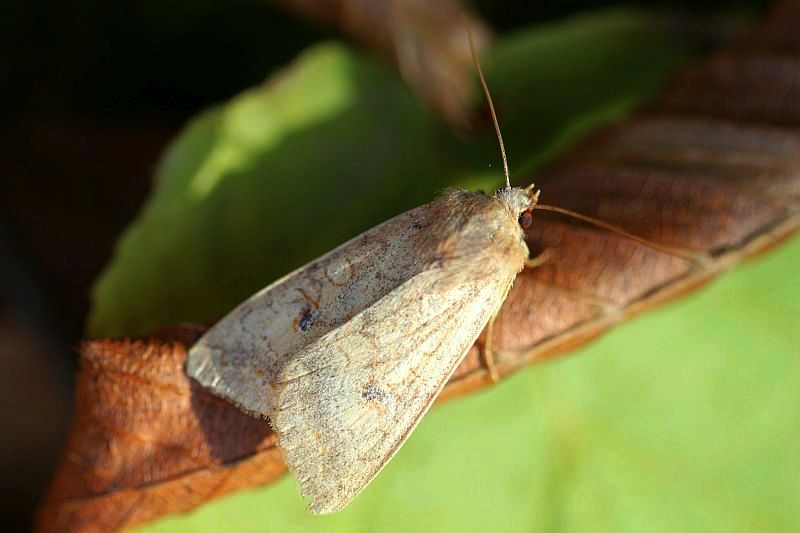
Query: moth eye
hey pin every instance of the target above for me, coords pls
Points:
(525, 219)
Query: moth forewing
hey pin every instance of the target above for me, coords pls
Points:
(346, 354)
(240, 357)
(380, 373)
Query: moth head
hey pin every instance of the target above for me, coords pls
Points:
(520, 202)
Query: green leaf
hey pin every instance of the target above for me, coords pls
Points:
(335, 144)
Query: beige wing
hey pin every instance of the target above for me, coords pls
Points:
(348, 401)
(347, 353)
(240, 357)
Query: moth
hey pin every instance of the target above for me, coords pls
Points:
(347, 353)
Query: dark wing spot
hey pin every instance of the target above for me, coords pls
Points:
(372, 393)
(307, 320)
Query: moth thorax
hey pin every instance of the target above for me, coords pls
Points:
(517, 200)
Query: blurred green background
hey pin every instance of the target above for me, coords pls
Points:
(151, 121)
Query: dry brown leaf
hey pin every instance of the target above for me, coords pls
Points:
(705, 169)
(425, 39)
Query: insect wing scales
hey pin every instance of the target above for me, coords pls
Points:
(378, 373)
(239, 358)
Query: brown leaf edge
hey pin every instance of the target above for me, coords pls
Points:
(713, 167)
(442, 77)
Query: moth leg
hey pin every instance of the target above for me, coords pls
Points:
(488, 352)
(539, 260)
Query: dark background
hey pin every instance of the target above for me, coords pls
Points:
(91, 92)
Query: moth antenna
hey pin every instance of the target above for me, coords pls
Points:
(700, 261)
(488, 100)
